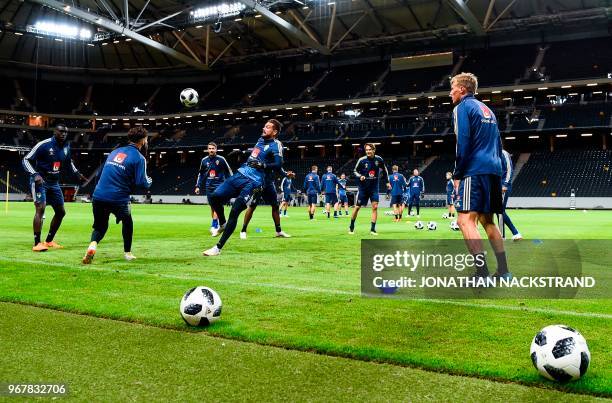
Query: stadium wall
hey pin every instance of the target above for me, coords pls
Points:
(513, 202)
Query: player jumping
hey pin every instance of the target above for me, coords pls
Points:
(367, 170)
(267, 153)
(214, 169)
(477, 173)
(43, 163)
(124, 171)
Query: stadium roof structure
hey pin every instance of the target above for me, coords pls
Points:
(203, 35)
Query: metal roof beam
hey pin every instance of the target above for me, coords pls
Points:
(285, 26)
(461, 8)
(111, 26)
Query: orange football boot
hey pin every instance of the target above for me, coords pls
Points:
(40, 247)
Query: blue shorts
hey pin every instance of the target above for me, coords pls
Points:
(449, 199)
(405, 198)
(237, 185)
(287, 197)
(312, 198)
(267, 195)
(480, 193)
(365, 194)
(210, 188)
(331, 198)
(343, 198)
(48, 193)
(396, 199)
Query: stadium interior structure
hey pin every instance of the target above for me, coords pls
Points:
(337, 74)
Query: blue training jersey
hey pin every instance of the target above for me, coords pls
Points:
(268, 152)
(450, 186)
(342, 187)
(124, 171)
(46, 159)
(507, 169)
(479, 148)
(213, 171)
(287, 185)
(416, 184)
(329, 182)
(371, 169)
(312, 184)
(398, 184)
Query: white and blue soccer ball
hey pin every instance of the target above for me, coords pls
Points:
(454, 226)
(560, 353)
(419, 225)
(445, 216)
(189, 97)
(201, 306)
(432, 226)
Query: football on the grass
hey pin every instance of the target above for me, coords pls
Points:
(560, 353)
(201, 306)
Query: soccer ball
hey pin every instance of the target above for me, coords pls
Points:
(445, 216)
(560, 353)
(412, 214)
(454, 226)
(418, 225)
(201, 306)
(432, 226)
(189, 97)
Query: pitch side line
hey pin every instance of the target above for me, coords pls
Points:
(316, 290)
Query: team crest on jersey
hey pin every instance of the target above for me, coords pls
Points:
(50, 151)
(486, 112)
(217, 162)
(119, 158)
(66, 150)
(376, 163)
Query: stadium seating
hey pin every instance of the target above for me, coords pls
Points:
(548, 174)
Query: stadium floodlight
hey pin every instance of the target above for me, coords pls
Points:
(60, 30)
(221, 10)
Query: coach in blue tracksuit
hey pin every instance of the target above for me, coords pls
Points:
(44, 163)
(398, 187)
(329, 185)
(312, 188)
(477, 174)
(417, 190)
(214, 169)
(124, 171)
(266, 154)
(507, 172)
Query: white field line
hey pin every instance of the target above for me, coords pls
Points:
(317, 290)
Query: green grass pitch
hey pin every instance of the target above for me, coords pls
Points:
(301, 293)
